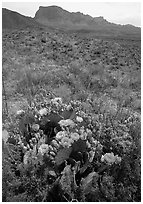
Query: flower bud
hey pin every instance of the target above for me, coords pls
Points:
(35, 127)
(88, 144)
(43, 111)
(53, 154)
(55, 143)
(50, 148)
(79, 119)
(91, 155)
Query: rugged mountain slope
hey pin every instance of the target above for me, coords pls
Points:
(55, 14)
(60, 18)
(57, 18)
(11, 19)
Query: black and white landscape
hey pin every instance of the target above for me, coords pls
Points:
(71, 108)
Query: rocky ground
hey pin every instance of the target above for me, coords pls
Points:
(71, 117)
(72, 66)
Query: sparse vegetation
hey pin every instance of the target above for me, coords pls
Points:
(85, 147)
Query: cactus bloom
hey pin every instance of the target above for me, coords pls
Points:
(44, 148)
(43, 111)
(56, 100)
(35, 127)
(66, 123)
(79, 119)
(60, 135)
(109, 158)
(66, 142)
(74, 136)
(83, 136)
(20, 112)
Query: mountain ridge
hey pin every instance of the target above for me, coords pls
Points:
(57, 18)
(13, 20)
(99, 18)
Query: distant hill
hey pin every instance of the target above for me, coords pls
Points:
(12, 20)
(58, 18)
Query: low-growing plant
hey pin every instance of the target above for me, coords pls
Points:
(60, 152)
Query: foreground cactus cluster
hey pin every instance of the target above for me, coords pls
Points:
(76, 153)
(75, 139)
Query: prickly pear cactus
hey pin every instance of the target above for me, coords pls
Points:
(90, 183)
(73, 142)
(62, 155)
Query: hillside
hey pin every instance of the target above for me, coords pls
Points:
(54, 17)
(69, 21)
(13, 20)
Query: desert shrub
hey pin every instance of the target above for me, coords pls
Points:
(81, 95)
(32, 79)
(96, 69)
(85, 78)
(111, 81)
(63, 91)
(136, 105)
(96, 84)
(75, 68)
(135, 83)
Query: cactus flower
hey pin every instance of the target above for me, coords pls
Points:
(43, 149)
(66, 142)
(43, 111)
(79, 119)
(109, 158)
(35, 127)
(66, 123)
(20, 112)
(74, 136)
(60, 135)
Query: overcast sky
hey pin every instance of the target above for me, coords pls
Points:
(116, 12)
